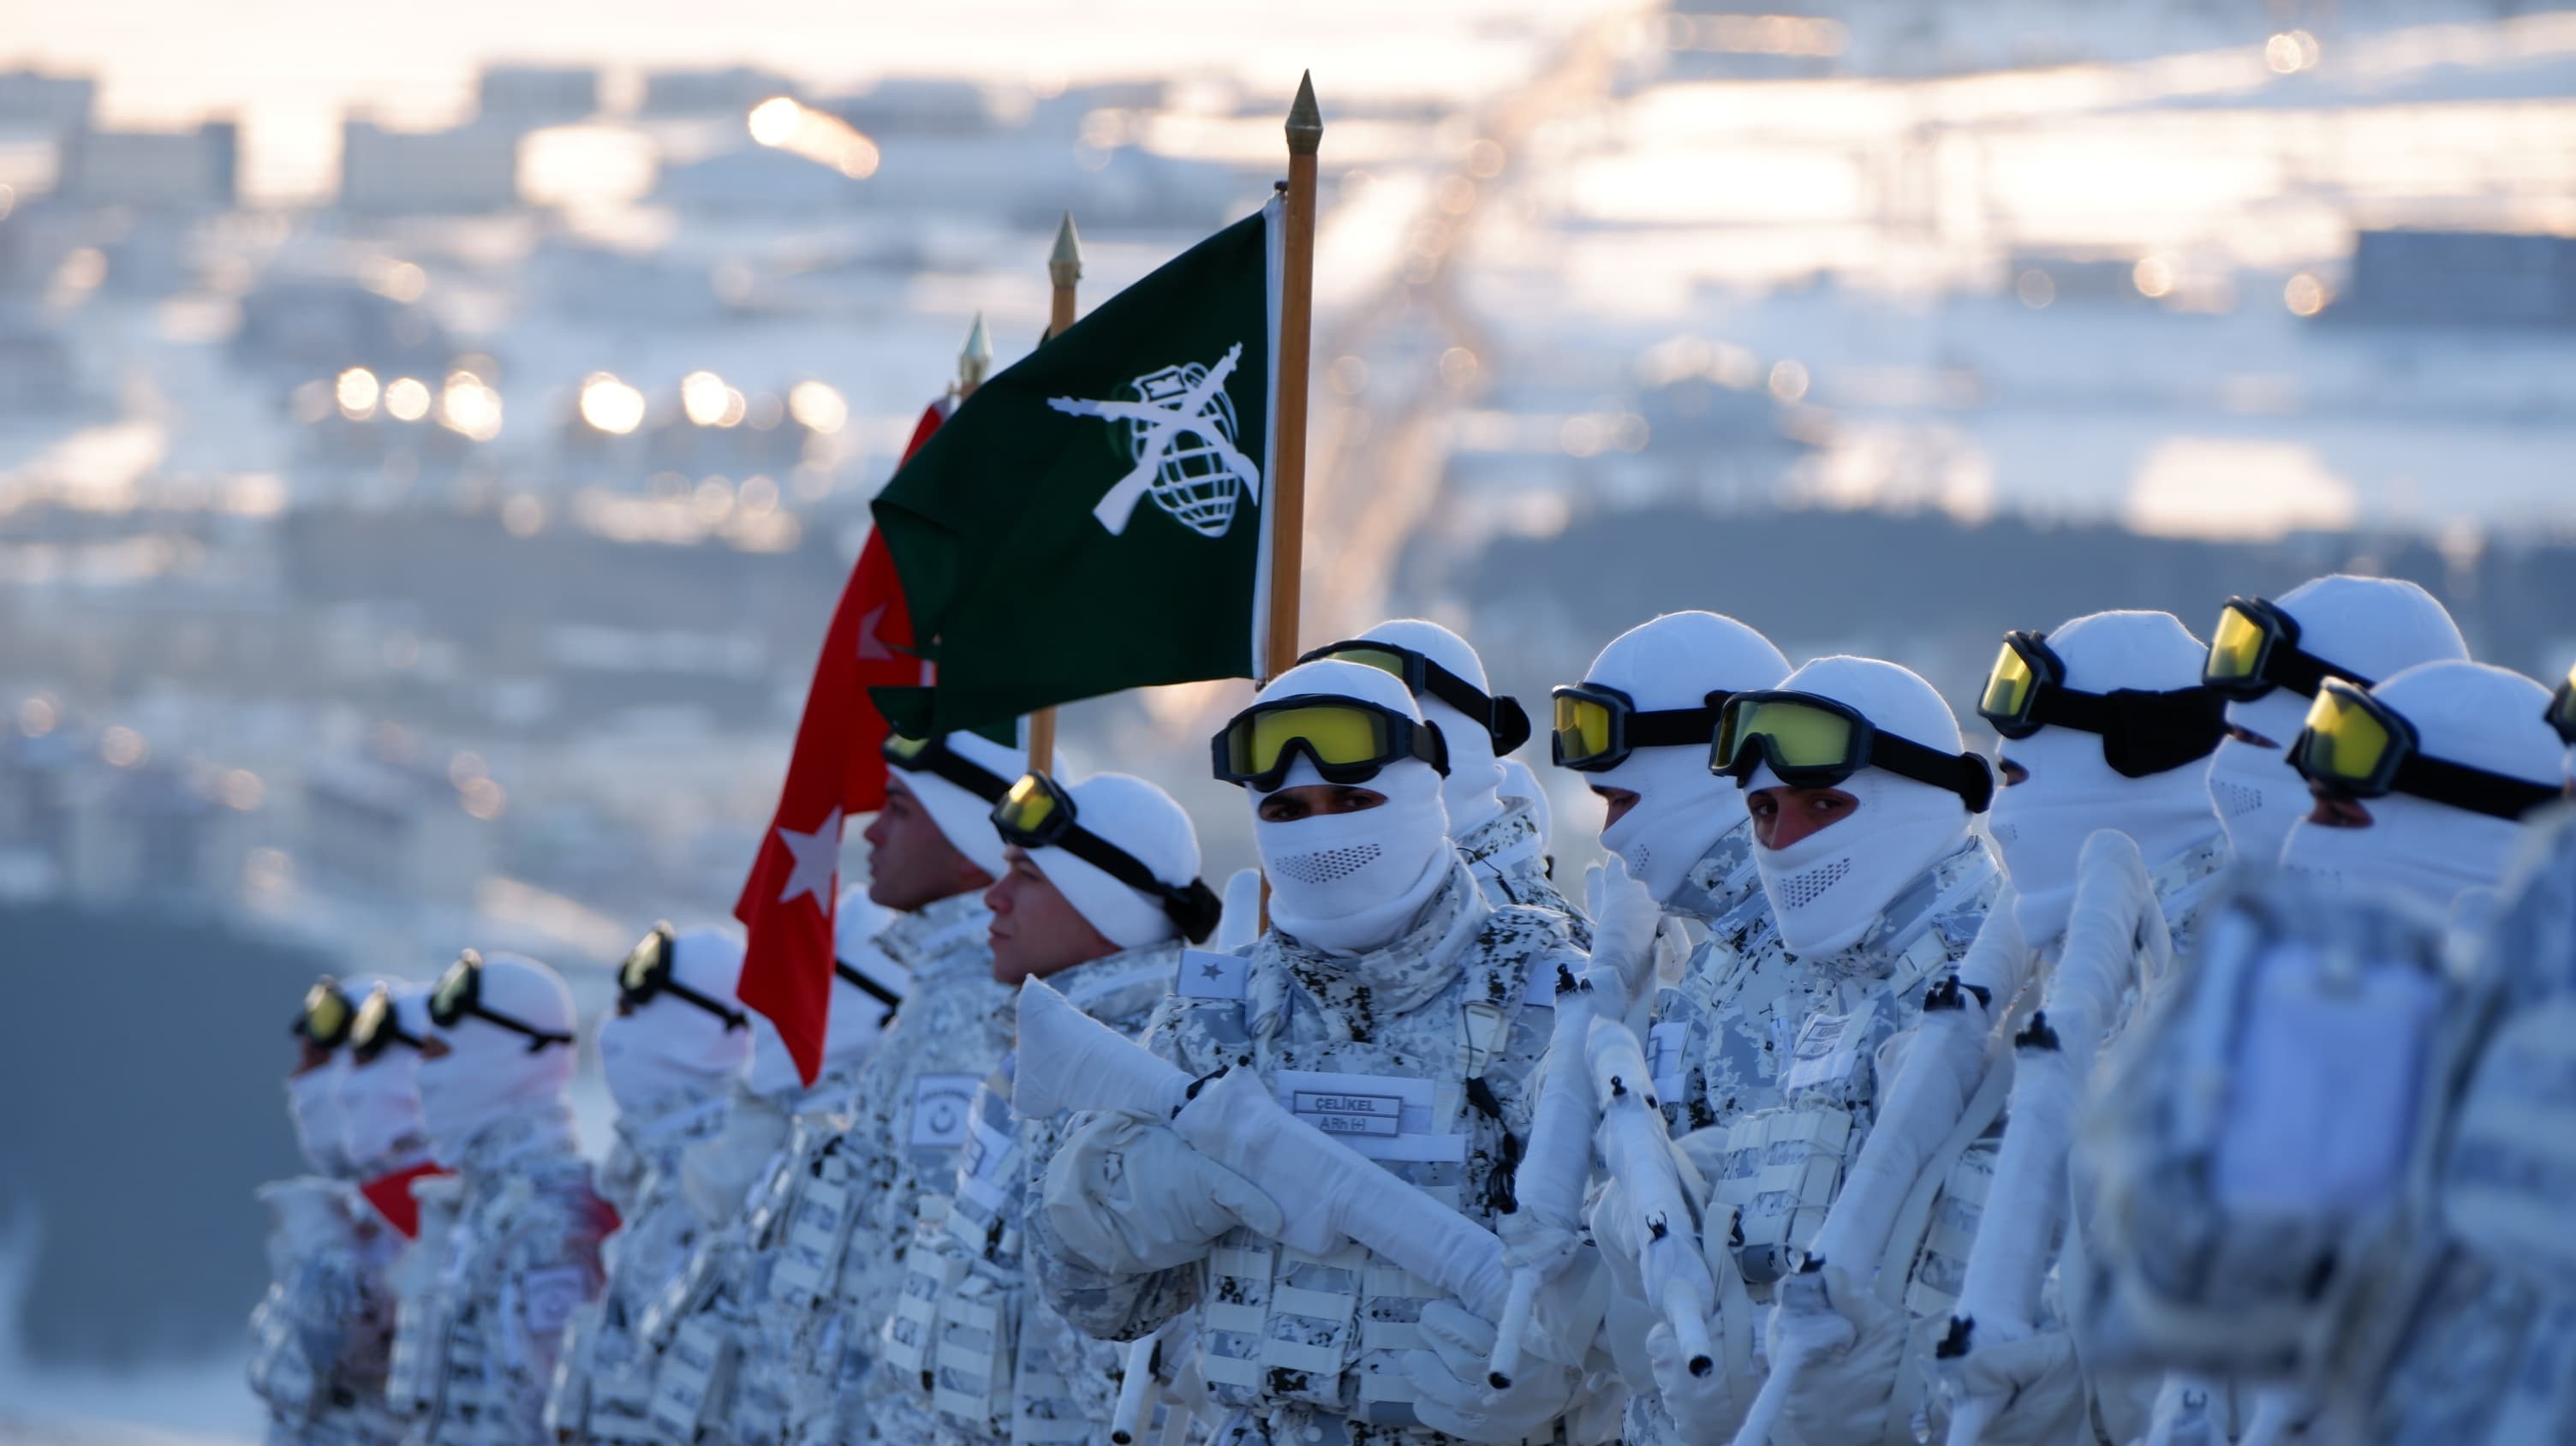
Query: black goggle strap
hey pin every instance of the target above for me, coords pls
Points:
(2562, 710)
(938, 759)
(2478, 790)
(872, 988)
(1502, 718)
(733, 1018)
(2153, 731)
(1675, 727)
(537, 1038)
(1193, 909)
(1965, 774)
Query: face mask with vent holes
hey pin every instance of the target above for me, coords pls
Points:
(1829, 887)
(1351, 882)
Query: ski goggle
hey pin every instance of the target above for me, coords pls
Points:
(324, 1017)
(378, 1028)
(2255, 649)
(1812, 741)
(2562, 709)
(2142, 732)
(1597, 727)
(646, 975)
(459, 993)
(1502, 718)
(2358, 746)
(1347, 740)
(934, 756)
(1038, 814)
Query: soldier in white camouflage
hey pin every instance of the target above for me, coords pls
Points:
(1502, 837)
(1392, 1007)
(1862, 800)
(1100, 889)
(1638, 728)
(2106, 724)
(481, 1331)
(2411, 1280)
(322, 1333)
(769, 1329)
(671, 1054)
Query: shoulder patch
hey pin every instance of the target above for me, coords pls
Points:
(1208, 974)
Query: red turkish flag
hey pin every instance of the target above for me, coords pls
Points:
(838, 769)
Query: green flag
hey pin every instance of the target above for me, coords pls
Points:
(1091, 519)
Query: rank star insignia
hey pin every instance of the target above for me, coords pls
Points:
(1180, 429)
(1210, 971)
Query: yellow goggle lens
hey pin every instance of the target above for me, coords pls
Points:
(904, 748)
(640, 965)
(326, 1010)
(1027, 806)
(372, 1013)
(2344, 740)
(449, 997)
(2237, 646)
(1582, 728)
(1803, 736)
(1337, 735)
(2562, 708)
(2008, 686)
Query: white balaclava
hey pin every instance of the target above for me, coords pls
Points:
(313, 1098)
(1470, 793)
(490, 1074)
(2374, 626)
(964, 819)
(669, 1046)
(2468, 713)
(1351, 882)
(2040, 824)
(381, 1098)
(1828, 888)
(1673, 662)
(1143, 822)
(859, 1017)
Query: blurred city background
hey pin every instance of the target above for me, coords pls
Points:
(431, 441)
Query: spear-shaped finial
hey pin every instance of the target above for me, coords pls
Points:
(1305, 121)
(976, 360)
(1064, 264)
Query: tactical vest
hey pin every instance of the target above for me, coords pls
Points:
(997, 1361)
(603, 1383)
(1784, 1161)
(522, 1256)
(321, 1333)
(1438, 1095)
(1509, 859)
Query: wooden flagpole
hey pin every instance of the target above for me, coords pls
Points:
(1296, 347)
(1064, 271)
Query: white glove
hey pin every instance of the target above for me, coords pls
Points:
(1454, 1396)
(1240, 921)
(1127, 1197)
(2039, 1383)
(1703, 1409)
(1843, 1392)
(1625, 917)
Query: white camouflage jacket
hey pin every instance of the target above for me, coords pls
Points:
(845, 1204)
(1448, 1022)
(1509, 858)
(481, 1333)
(1003, 1369)
(603, 1384)
(321, 1335)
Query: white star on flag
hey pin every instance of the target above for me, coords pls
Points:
(818, 861)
